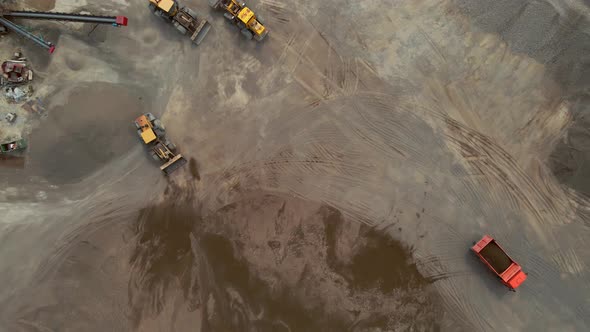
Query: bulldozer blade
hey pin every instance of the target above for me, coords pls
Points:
(201, 32)
(173, 164)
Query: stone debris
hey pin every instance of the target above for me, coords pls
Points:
(10, 117)
(16, 94)
(34, 106)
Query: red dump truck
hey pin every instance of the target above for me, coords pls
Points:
(505, 268)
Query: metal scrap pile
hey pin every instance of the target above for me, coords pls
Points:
(15, 76)
(15, 71)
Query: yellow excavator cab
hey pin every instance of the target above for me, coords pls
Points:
(164, 5)
(148, 136)
(147, 132)
(245, 15)
(161, 149)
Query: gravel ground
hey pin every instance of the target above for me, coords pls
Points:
(339, 171)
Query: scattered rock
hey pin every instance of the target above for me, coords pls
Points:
(274, 244)
(10, 117)
(16, 94)
(34, 106)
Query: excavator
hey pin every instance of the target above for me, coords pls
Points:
(185, 20)
(153, 134)
(6, 22)
(241, 16)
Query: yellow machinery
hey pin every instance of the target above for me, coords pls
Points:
(184, 19)
(153, 135)
(243, 17)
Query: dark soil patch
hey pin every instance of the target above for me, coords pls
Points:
(194, 169)
(162, 256)
(10, 161)
(91, 129)
(280, 310)
(378, 260)
(570, 160)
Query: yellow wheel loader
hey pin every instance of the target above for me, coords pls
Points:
(153, 134)
(243, 17)
(184, 19)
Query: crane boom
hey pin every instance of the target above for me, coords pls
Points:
(32, 15)
(20, 30)
(98, 19)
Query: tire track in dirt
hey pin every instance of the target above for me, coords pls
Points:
(506, 183)
(518, 198)
(451, 275)
(279, 13)
(59, 256)
(542, 275)
(471, 143)
(500, 165)
(401, 140)
(546, 270)
(336, 77)
(95, 211)
(421, 161)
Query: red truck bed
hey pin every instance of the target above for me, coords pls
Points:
(490, 252)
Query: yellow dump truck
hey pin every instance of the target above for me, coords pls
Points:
(153, 134)
(184, 19)
(243, 17)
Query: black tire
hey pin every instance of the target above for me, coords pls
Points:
(158, 124)
(171, 146)
(155, 156)
(260, 37)
(152, 7)
(160, 132)
(214, 3)
(180, 28)
(247, 33)
(191, 13)
(228, 16)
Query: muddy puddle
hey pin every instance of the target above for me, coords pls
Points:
(272, 263)
(377, 261)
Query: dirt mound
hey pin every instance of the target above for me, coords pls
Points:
(245, 278)
(91, 129)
